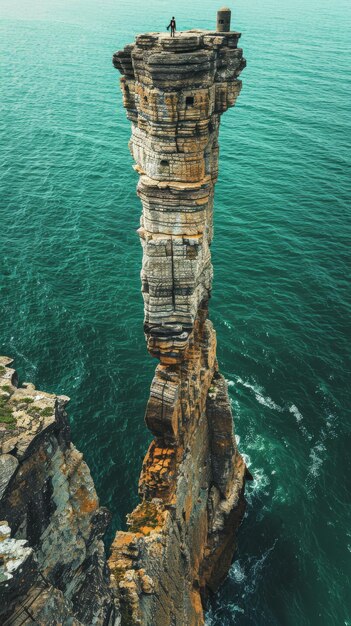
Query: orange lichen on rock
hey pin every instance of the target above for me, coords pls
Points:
(157, 475)
(87, 504)
(148, 516)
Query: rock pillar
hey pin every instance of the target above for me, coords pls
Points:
(181, 537)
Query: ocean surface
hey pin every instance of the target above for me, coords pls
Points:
(71, 308)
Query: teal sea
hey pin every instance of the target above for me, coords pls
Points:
(71, 308)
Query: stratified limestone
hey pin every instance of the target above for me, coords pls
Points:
(175, 91)
(181, 537)
(52, 565)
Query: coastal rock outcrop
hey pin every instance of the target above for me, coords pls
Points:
(52, 561)
(181, 537)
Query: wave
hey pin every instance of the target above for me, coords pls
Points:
(317, 455)
(246, 575)
(299, 417)
(258, 393)
(295, 411)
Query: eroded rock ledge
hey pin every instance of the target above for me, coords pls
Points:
(181, 536)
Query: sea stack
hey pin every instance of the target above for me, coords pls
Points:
(181, 536)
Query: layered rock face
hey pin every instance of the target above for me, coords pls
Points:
(175, 91)
(181, 537)
(52, 562)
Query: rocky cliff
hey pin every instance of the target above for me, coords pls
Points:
(52, 560)
(181, 536)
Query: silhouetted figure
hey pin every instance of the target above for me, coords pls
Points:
(172, 26)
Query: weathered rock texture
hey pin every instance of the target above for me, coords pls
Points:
(181, 537)
(52, 561)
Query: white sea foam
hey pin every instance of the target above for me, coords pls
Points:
(317, 456)
(295, 411)
(257, 390)
(237, 573)
(331, 425)
(254, 488)
(209, 617)
(234, 608)
(247, 459)
(212, 617)
(252, 571)
(299, 418)
(259, 563)
(318, 452)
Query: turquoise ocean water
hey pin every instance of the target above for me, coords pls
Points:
(71, 309)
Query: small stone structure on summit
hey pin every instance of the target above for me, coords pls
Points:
(181, 536)
(223, 20)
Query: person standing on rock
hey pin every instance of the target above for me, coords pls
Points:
(172, 26)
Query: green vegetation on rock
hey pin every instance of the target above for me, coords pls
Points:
(49, 410)
(145, 515)
(6, 416)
